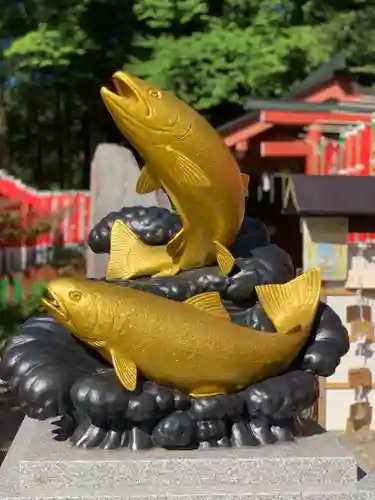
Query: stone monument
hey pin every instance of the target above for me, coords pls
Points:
(169, 414)
(114, 174)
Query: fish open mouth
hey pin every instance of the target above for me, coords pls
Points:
(124, 87)
(51, 303)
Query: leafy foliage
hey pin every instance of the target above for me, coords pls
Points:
(14, 315)
(212, 53)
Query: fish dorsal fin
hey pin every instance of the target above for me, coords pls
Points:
(209, 302)
(126, 371)
(224, 258)
(146, 182)
(292, 306)
(187, 171)
(245, 183)
(176, 245)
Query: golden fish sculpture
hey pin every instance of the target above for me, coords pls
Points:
(192, 346)
(186, 157)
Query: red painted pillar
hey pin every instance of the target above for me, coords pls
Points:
(313, 161)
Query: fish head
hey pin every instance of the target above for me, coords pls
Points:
(144, 113)
(77, 305)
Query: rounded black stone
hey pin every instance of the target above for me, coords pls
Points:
(178, 430)
(216, 407)
(101, 396)
(181, 400)
(242, 435)
(163, 396)
(142, 408)
(211, 430)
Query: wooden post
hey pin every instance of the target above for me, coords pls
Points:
(322, 402)
(322, 382)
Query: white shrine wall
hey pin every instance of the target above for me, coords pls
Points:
(338, 395)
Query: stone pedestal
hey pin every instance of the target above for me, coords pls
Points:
(114, 175)
(313, 468)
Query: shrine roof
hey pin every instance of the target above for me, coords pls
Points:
(314, 107)
(292, 100)
(335, 195)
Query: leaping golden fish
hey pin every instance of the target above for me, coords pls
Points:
(191, 346)
(186, 157)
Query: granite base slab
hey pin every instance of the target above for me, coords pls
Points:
(318, 467)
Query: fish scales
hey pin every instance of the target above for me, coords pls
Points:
(192, 346)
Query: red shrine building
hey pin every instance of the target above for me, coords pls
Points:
(311, 160)
(323, 127)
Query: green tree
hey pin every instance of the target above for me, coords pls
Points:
(212, 53)
(215, 53)
(61, 54)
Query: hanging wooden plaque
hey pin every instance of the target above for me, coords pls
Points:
(356, 312)
(361, 329)
(360, 417)
(360, 377)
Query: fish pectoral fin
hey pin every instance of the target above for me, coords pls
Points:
(176, 245)
(187, 171)
(292, 306)
(126, 371)
(169, 271)
(209, 302)
(224, 258)
(146, 182)
(245, 182)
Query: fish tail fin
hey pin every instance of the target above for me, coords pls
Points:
(123, 242)
(129, 256)
(292, 306)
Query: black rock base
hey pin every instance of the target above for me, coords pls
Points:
(158, 416)
(54, 375)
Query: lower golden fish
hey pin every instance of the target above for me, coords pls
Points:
(191, 346)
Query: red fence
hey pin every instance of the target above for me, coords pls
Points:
(350, 153)
(75, 224)
(73, 227)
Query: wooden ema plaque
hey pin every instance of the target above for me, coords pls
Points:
(354, 313)
(360, 324)
(362, 329)
(360, 418)
(360, 413)
(360, 378)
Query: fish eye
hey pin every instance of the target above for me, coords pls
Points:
(155, 93)
(75, 296)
